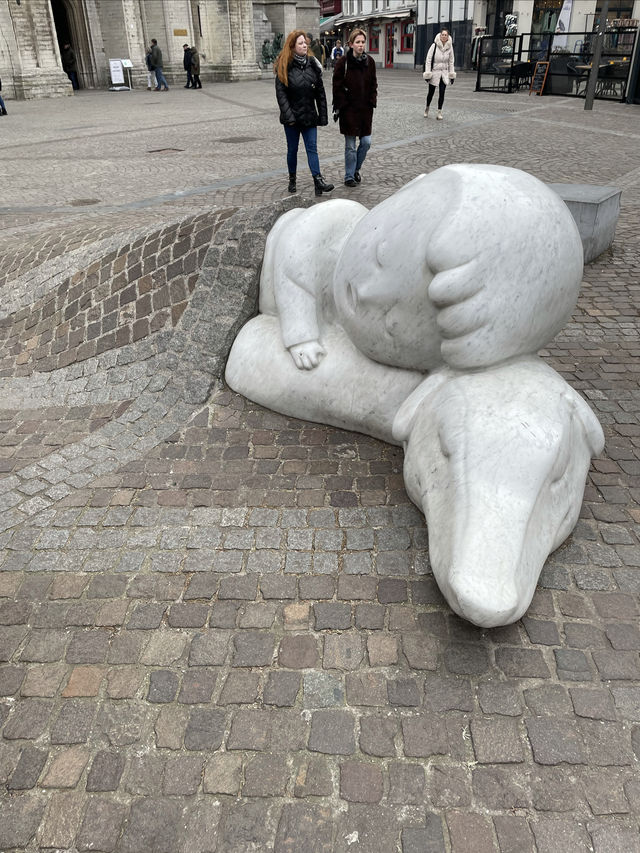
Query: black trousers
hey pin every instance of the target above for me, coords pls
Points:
(442, 88)
(196, 82)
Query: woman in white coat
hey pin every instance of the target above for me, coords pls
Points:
(439, 70)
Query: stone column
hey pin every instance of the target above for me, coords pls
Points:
(242, 63)
(34, 56)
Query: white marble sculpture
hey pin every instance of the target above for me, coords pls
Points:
(418, 322)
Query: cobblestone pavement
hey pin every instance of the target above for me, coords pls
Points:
(218, 626)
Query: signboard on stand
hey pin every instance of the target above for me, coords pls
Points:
(117, 72)
(116, 69)
(539, 78)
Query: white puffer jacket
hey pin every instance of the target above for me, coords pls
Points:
(439, 62)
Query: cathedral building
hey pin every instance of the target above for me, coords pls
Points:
(228, 35)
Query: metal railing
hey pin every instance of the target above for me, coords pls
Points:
(507, 64)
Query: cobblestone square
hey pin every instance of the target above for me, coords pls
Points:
(219, 630)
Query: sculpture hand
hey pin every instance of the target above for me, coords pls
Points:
(307, 355)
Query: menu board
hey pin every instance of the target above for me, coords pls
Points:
(539, 77)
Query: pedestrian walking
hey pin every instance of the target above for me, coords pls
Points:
(303, 106)
(336, 53)
(186, 62)
(156, 62)
(195, 68)
(70, 65)
(355, 96)
(317, 48)
(439, 70)
(3, 109)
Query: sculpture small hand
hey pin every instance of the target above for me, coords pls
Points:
(307, 355)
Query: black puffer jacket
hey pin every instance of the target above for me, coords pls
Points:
(303, 102)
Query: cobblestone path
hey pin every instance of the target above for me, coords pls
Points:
(218, 626)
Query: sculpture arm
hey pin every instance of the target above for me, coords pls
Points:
(296, 308)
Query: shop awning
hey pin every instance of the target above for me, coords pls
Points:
(327, 24)
(382, 14)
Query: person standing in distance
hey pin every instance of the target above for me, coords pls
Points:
(195, 68)
(186, 63)
(303, 105)
(439, 70)
(355, 96)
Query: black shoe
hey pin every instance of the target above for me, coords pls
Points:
(351, 182)
(356, 177)
(188, 86)
(292, 182)
(321, 186)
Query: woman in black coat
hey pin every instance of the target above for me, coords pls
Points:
(355, 96)
(303, 105)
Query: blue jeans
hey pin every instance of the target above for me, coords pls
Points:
(310, 139)
(160, 79)
(353, 159)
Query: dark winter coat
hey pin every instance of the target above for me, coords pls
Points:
(303, 102)
(195, 61)
(355, 94)
(69, 63)
(156, 56)
(186, 60)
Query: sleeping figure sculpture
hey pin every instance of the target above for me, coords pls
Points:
(418, 322)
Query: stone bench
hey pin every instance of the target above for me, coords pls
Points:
(596, 211)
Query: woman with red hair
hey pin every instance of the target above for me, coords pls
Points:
(303, 105)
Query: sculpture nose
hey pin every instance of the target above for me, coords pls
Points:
(486, 606)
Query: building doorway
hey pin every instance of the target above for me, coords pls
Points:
(388, 46)
(70, 25)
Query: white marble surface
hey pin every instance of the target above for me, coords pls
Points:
(496, 459)
(443, 292)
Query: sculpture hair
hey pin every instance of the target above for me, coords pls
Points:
(285, 57)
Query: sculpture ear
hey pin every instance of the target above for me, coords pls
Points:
(590, 424)
(405, 416)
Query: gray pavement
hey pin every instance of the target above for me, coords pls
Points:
(218, 626)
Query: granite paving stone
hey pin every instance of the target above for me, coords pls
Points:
(219, 626)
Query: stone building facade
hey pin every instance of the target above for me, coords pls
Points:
(227, 34)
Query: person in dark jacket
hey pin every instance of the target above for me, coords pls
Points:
(186, 63)
(156, 61)
(69, 64)
(303, 105)
(195, 68)
(355, 96)
(3, 109)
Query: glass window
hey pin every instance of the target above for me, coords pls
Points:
(374, 39)
(406, 36)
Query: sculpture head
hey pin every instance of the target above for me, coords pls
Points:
(466, 267)
(497, 462)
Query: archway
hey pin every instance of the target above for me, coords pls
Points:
(71, 28)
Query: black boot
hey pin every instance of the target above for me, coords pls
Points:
(292, 182)
(321, 186)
